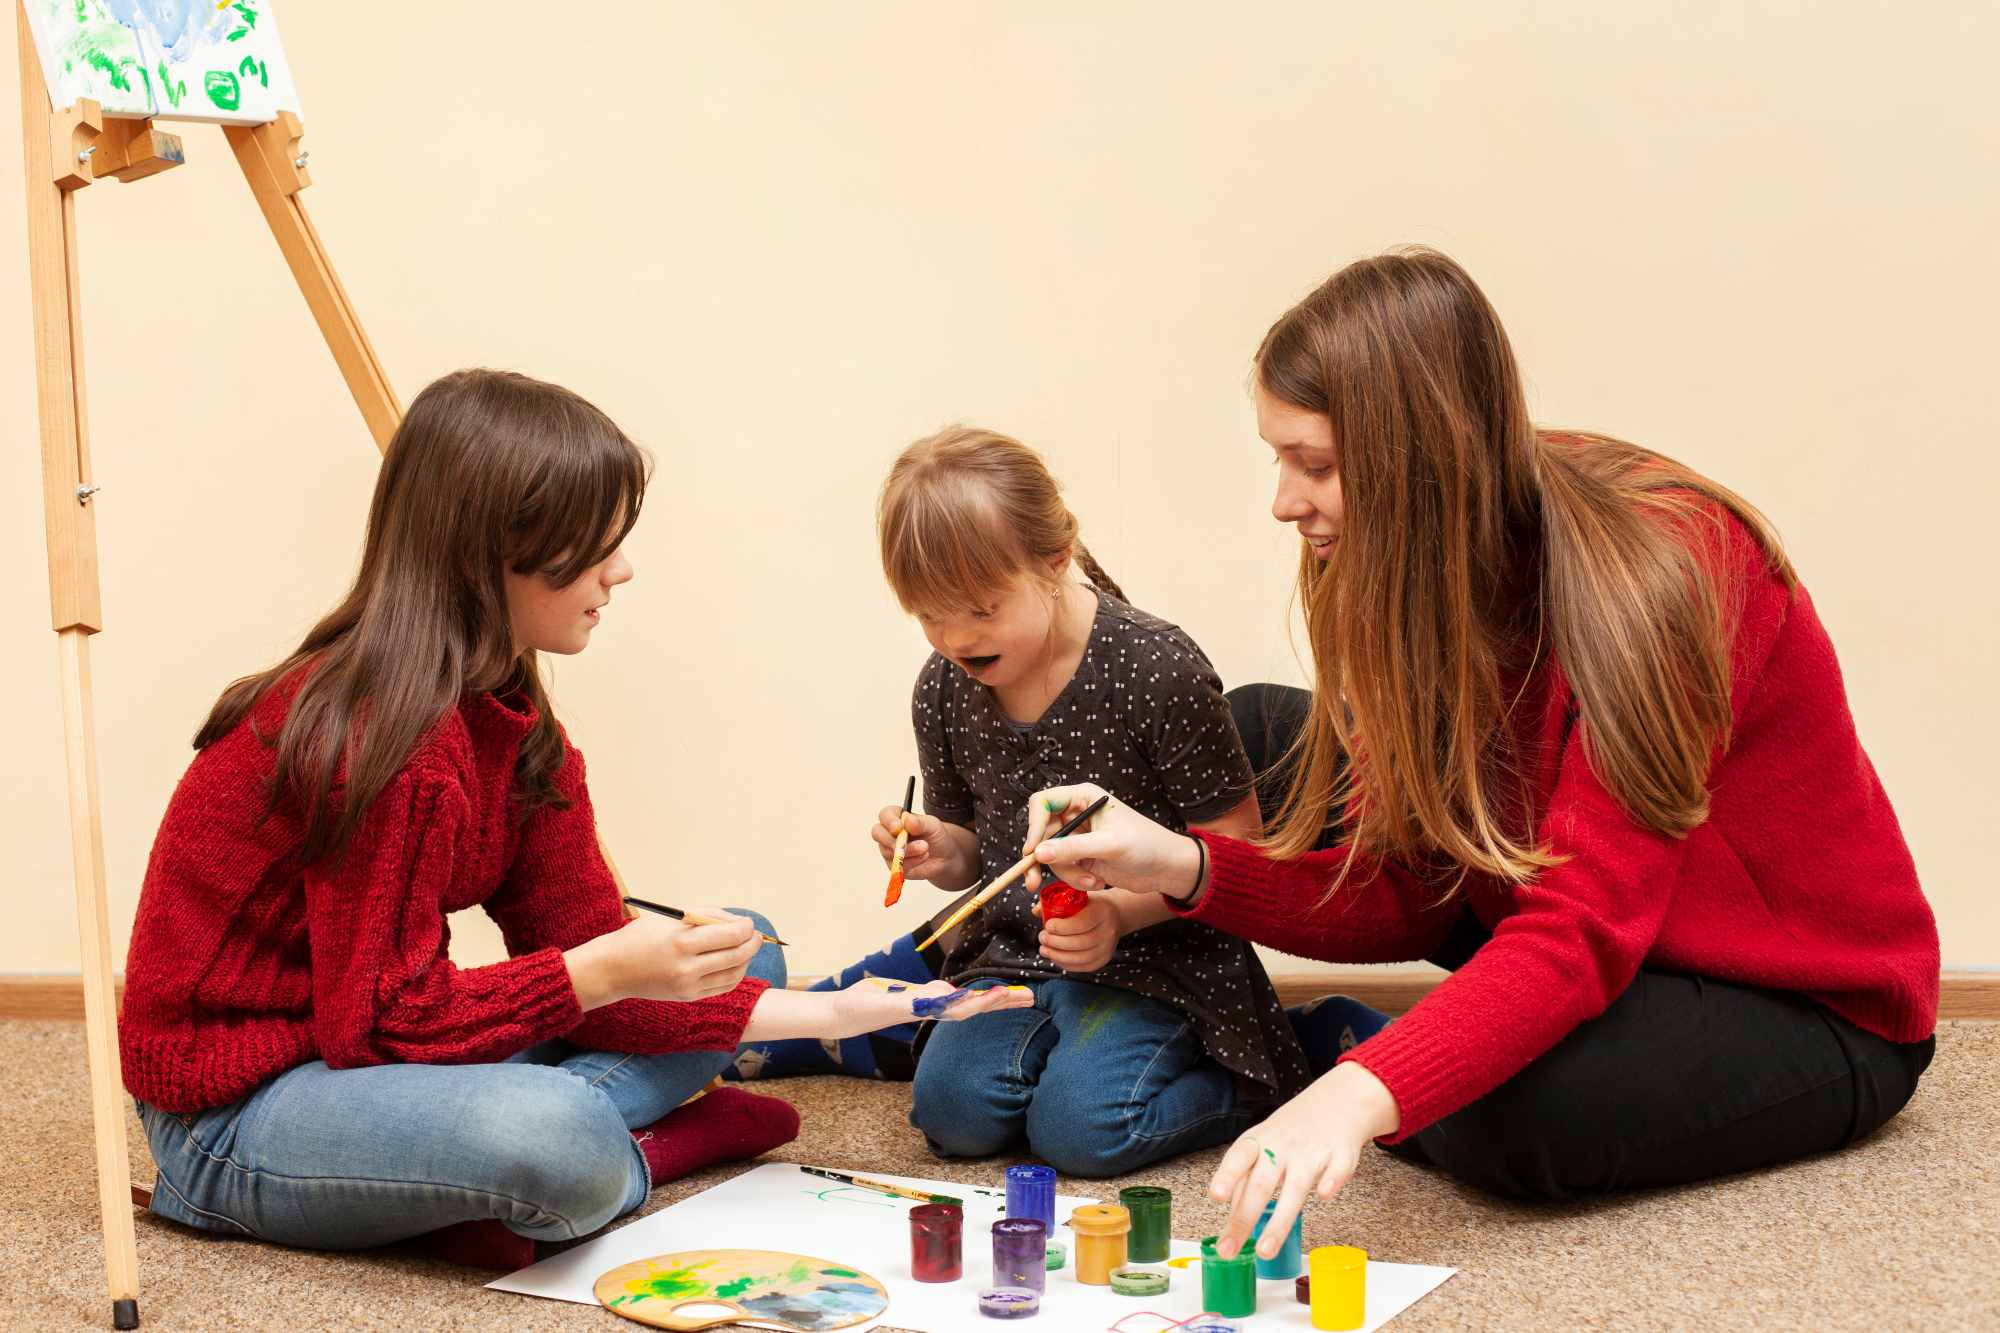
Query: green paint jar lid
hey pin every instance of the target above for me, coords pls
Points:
(1138, 1281)
(1057, 1256)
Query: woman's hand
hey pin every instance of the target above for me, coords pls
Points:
(933, 853)
(1310, 1145)
(1086, 941)
(658, 958)
(1119, 846)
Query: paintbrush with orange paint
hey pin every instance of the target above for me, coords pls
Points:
(902, 840)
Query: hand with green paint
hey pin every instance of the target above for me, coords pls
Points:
(1120, 847)
(1309, 1146)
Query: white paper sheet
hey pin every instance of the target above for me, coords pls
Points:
(779, 1207)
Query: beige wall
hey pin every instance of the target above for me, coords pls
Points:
(778, 241)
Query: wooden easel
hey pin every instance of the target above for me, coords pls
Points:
(64, 152)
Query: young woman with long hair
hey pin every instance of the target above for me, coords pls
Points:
(1575, 731)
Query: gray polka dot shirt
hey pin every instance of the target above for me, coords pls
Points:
(1144, 718)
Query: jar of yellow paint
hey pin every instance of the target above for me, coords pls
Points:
(1100, 1230)
(1339, 1291)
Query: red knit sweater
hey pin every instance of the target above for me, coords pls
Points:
(242, 966)
(1799, 880)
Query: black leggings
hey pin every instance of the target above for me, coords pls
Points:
(1682, 1078)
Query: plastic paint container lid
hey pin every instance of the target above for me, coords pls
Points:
(1138, 1281)
(1009, 1302)
(1058, 1255)
(1100, 1219)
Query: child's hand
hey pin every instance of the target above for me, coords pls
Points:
(875, 1004)
(653, 958)
(925, 855)
(1085, 941)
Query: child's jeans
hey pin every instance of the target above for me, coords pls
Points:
(1099, 1081)
(349, 1158)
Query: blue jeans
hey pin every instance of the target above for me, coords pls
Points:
(343, 1159)
(1099, 1081)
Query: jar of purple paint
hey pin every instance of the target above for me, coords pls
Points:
(1021, 1253)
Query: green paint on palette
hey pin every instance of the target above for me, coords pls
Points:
(840, 1272)
(667, 1284)
(729, 1291)
(222, 89)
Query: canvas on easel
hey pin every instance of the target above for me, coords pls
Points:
(165, 59)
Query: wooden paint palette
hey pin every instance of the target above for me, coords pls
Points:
(767, 1288)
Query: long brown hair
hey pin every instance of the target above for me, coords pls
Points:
(489, 470)
(1471, 541)
(965, 512)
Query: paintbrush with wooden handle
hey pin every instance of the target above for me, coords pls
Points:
(1020, 868)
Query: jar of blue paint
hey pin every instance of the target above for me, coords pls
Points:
(1289, 1261)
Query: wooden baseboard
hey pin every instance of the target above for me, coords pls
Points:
(45, 996)
(1974, 995)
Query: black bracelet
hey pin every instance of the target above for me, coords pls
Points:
(1201, 872)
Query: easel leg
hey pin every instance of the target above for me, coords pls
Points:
(271, 163)
(100, 1002)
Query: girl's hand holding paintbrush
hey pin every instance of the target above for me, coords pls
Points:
(654, 958)
(944, 854)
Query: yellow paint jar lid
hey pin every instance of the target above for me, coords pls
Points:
(1101, 1219)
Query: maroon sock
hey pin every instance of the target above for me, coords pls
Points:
(726, 1125)
(486, 1243)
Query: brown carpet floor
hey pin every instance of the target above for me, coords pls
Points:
(1900, 1232)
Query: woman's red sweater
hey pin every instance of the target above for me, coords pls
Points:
(1799, 880)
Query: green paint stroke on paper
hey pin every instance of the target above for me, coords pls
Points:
(109, 68)
(175, 92)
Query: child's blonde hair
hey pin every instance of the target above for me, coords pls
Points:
(967, 511)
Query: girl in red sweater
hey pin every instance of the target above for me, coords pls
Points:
(1577, 733)
(310, 1066)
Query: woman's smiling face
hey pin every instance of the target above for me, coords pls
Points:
(1308, 473)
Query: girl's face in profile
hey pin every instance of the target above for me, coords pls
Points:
(549, 619)
(1308, 478)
